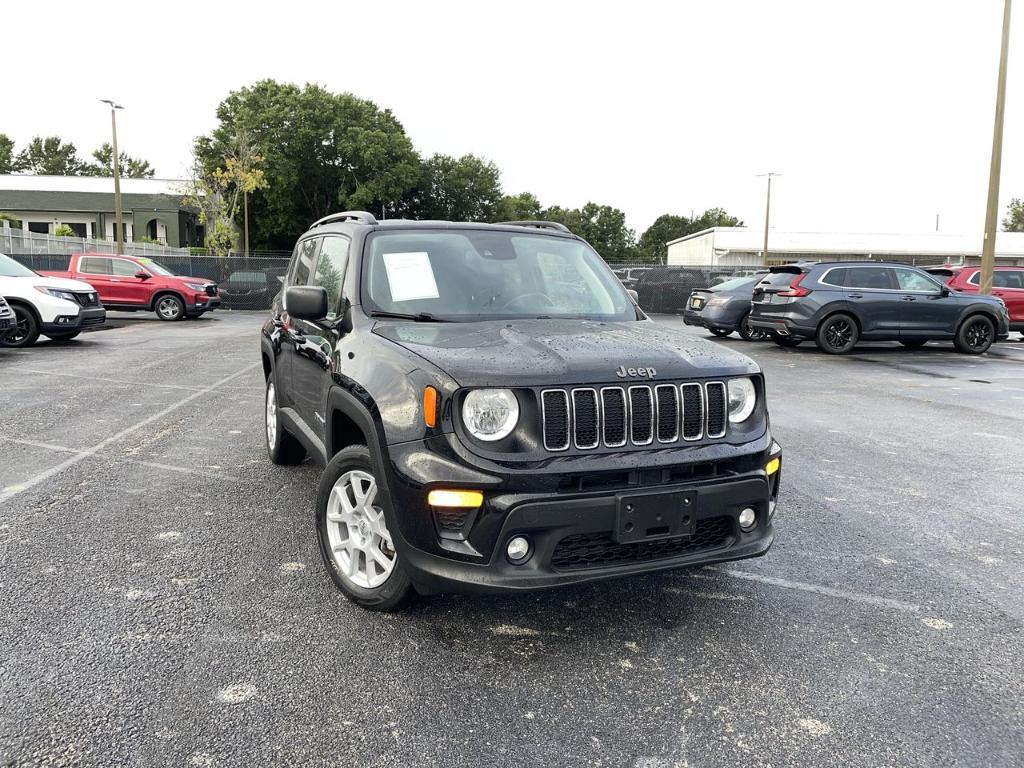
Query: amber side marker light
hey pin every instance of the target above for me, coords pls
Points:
(430, 398)
(448, 498)
(773, 466)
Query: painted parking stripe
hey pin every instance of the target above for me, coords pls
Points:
(857, 597)
(13, 490)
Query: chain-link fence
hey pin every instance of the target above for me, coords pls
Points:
(13, 240)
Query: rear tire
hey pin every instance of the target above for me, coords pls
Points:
(282, 447)
(169, 307)
(837, 334)
(25, 331)
(63, 336)
(975, 335)
(719, 332)
(355, 542)
(786, 341)
(748, 332)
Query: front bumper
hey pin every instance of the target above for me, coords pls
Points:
(202, 303)
(86, 318)
(575, 536)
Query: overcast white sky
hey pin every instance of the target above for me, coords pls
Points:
(878, 113)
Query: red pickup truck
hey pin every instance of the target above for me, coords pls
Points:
(134, 283)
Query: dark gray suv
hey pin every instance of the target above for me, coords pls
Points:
(840, 303)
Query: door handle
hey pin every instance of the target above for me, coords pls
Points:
(909, 298)
(855, 296)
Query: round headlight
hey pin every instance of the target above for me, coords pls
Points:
(742, 398)
(490, 414)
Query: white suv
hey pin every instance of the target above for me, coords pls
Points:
(51, 306)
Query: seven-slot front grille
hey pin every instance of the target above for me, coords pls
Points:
(611, 417)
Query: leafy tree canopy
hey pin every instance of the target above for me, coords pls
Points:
(522, 207)
(1014, 221)
(603, 226)
(49, 156)
(130, 167)
(653, 242)
(321, 151)
(6, 153)
(467, 188)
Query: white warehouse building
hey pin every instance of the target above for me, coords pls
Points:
(742, 246)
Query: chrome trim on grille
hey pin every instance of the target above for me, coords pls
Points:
(632, 422)
(657, 414)
(682, 410)
(597, 415)
(725, 409)
(625, 418)
(544, 420)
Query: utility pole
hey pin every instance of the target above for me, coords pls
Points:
(988, 246)
(118, 222)
(245, 206)
(767, 212)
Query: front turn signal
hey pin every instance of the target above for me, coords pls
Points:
(430, 398)
(773, 466)
(449, 498)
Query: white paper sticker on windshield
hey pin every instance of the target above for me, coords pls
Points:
(410, 276)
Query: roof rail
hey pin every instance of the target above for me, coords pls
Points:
(359, 216)
(538, 225)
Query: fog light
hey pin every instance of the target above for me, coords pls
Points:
(748, 519)
(518, 549)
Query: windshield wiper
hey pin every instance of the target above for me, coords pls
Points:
(419, 317)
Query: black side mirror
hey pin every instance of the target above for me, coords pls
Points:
(306, 302)
(143, 275)
(944, 290)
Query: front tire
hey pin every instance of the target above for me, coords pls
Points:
(837, 334)
(25, 331)
(356, 545)
(282, 447)
(975, 335)
(169, 307)
(63, 336)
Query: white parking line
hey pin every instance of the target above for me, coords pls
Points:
(13, 490)
(857, 597)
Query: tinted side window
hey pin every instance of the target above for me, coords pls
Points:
(1010, 278)
(95, 266)
(915, 281)
(778, 279)
(330, 270)
(876, 278)
(304, 261)
(124, 268)
(835, 277)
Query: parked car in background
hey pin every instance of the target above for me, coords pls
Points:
(628, 276)
(725, 308)
(51, 306)
(252, 289)
(667, 289)
(840, 303)
(132, 283)
(1007, 284)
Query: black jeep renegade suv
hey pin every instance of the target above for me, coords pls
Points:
(496, 413)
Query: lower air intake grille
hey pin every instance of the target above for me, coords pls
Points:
(596, 550)
(451, 520)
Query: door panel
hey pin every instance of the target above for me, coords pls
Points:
(1008, 285)
(924, 311)
(872, 295)
(300, 339)
(131, 289)
(96, 271)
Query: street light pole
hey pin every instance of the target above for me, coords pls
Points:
(118, 222)
(767, 213)
(988, 246)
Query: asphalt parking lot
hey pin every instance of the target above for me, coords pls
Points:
(163, 602)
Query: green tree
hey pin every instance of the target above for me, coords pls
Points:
(1014, 221)
(6, 153)
(467, 188)
(63, 230)
(603, 226)
(12, 221)
(129, 167)
(322, 152)
(204, 195)
(522, 207)
(49, 156)
(653, 245)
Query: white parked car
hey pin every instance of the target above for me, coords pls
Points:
(51, 306)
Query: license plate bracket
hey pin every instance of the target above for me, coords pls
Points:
(653, 516)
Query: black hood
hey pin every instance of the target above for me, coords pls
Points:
(557, 352)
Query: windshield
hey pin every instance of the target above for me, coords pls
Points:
(153, 266)
(482, 274)
(10, 268)
(738, 283)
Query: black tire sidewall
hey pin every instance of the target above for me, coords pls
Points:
(32, 328)
(746, 333)
(398, 587)
(181, 307)
(787, 342)
(63, 336)
(961, 335)
(286, 450)
(824, 346)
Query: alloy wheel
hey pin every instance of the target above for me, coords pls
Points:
(839, 333)
(978, 334)
(167, 308)
(19, 332)
(271, 414)
(359, 539)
